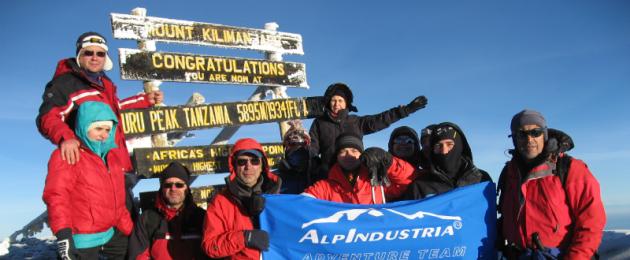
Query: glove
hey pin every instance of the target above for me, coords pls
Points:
(256, 238)
(378, 162)
(255, 204)
(65, 244)
(416, 104)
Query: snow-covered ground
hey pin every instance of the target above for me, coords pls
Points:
(615, 246)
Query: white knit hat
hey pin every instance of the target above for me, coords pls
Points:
(95, 124)
(93, 39)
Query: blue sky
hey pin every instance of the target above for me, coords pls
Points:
(478, 62)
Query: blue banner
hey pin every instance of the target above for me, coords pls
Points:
(460, 224)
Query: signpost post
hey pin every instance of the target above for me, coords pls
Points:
(270, 75)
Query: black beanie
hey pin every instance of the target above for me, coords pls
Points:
(445, 132)
(342, 90)
(346, 140)
(177, 170)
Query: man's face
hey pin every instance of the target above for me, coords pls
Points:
(337, 103)
(92, 58)
(404, 146)
(530, 141)
(174, 192)
(99, 133)
(443, 146)
(348, 158)
(248, 169)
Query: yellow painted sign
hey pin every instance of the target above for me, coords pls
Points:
(133, 27)
(184, 67)
(184, 118)
(198, 159)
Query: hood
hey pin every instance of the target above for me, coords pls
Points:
(250, 144)
(408, 131)
(559, 141)
(69, 65)
(88, 113)
(403, 130)
(335, 87)
(466, 151)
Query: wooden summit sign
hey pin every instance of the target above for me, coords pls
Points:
(198, 159)
(133, 27)
(201, 195)
(181, 67)
(155, 120)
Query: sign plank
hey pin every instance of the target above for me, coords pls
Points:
(182, 67)
(155, 120)
(201, 195)
(133, 27)
(198, 159)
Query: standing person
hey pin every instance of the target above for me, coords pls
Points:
(449, 166)
(86, 201)
(77, 80)
(405, 144)
(336, 120)
(550, 203)
(173, 229)
(300, 166)
(362, 177)
(232, 228)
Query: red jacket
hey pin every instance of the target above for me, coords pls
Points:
(68, 89)
(226, 218)
(338, 189)
(88, 197)
(539, 204)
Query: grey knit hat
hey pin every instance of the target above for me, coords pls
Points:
(528, 117)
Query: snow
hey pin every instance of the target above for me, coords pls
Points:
(615, 245)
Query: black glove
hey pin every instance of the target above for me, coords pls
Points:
(255, 204)
(377, 161)
(256, 238)
(65, 244)
(416, 104)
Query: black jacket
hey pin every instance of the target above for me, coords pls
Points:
(179, 238)
(433, 182)
(294, 180)
(325, 129)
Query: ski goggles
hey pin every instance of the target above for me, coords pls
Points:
(403, 139)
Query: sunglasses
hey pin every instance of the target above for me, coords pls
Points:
(403, 139)
(243, 162)
(536, 132)
(169, 185)
(91, 53)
